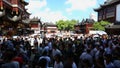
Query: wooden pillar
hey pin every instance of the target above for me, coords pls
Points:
(86, 28)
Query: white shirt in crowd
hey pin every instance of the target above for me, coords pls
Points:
(32, 41)
(74, 65)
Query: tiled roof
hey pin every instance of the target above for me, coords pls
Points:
(108, 2)
(35, 20)
(87, 21)
(84, 21)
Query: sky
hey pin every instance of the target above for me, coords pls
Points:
(55, 10)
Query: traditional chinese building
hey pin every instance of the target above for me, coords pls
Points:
(84, 26)
(51, 28)
(110, 11)
(35, 25)
(39, 27)
(13, 15)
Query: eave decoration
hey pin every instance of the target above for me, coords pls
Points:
(14, 16)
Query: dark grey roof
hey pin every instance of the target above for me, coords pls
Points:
(87, 21)
(84, 21)
(35, 20)
(108, 2)
(23, 1)
(90, 20)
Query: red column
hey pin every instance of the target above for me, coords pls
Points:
(1, 4)
(87, 30)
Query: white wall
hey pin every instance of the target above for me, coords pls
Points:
(118, 13)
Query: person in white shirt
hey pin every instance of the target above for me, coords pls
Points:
(32, 41)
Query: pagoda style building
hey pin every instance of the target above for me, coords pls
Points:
(84, 26)
(51, 28)
(110, 11)
(13, 16)
(35, 25)
(39, 27)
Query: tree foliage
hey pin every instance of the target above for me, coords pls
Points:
(66, 25)
(100, 25)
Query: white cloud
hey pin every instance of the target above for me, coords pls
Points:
(49, 16)
(35, 5)
(47, 9)
(93, 16)
(80, 4)
(39, 8)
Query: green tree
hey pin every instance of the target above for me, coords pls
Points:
(66, 25)
(100, 25)
(71, 24)
(61, 25)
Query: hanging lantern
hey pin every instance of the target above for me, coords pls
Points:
(16, 12)
(1, 7)
(2, 12)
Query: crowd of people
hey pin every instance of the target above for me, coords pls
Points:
(58, 52)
